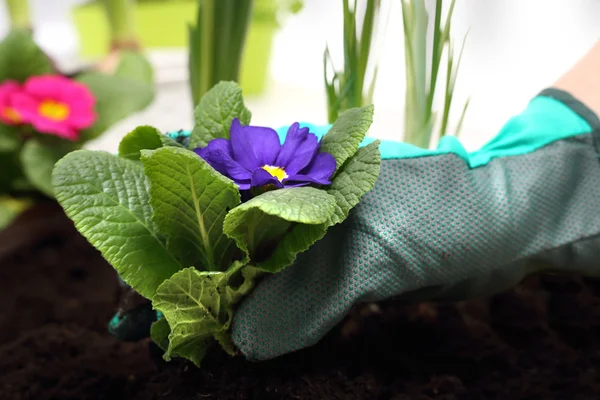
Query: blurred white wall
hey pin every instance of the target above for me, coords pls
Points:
(514, 49)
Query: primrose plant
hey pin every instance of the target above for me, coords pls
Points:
(192, 228)
(44, 114)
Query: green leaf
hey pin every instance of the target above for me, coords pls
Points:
(134, 66)
(356, 177)
(306, 205)
(198, 307)
(107, 198)
(217, 109)
(116, 98)
(299, 239)
(10, 208)
(21, 58)
(38, 162)
(9, 138)
(191, 303)
(143, 138)
(190, 200)
(259, 225)
(159, 332)
(347, 132)
(11, 173)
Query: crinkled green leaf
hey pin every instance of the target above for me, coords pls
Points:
(265, 225)
(355, 178)
(38, 161)
(190, 200)
(134, 66)
(217, 109)
(116, 98)
(143, 138)
(305, 205)
(297, 240)
(107, 198)
(159, 332)
(21, 58)
(191, 303)
(346, 133)
(9, 138)
(198, 307)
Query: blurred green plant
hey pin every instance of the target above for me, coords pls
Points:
(120, 15)
(345, 89)
(216, 43)
(420, 116)
(18, 14)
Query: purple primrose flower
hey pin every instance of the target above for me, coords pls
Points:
(254, 157)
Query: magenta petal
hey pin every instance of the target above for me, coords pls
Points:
(298, 150)
(253, 146)
(260, 177)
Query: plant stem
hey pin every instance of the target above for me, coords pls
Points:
(216, 43)
(120, 14)
(207, 38)
(421, 88)
(346, 89)
(18, 12)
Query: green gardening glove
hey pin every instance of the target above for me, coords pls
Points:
(445, 224)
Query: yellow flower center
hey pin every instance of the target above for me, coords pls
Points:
(277, 172)
(54, 110)
(12, 114)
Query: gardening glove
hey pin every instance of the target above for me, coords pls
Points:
(444, 224)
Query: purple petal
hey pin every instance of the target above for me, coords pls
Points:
(218, 155)
(253, 146)
(216, 144)
(260, 177)
(288, 184)
(319, 171)
(298, 150)
(243, 186)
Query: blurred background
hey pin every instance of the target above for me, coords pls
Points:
(514, 49)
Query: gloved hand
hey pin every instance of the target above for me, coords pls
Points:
(445, 224)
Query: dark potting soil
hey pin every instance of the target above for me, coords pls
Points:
(538, 341)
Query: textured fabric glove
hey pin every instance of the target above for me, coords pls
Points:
(445, 224)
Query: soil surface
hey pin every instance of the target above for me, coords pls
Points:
(538, 341)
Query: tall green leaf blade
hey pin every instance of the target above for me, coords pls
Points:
(21, 58)
(347, 132)
(217, 109)
(356, 177)
(116, 98)
(38, 162)
(190, 200)
(107, 198)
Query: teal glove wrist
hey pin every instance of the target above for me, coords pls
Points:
(445, 223)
